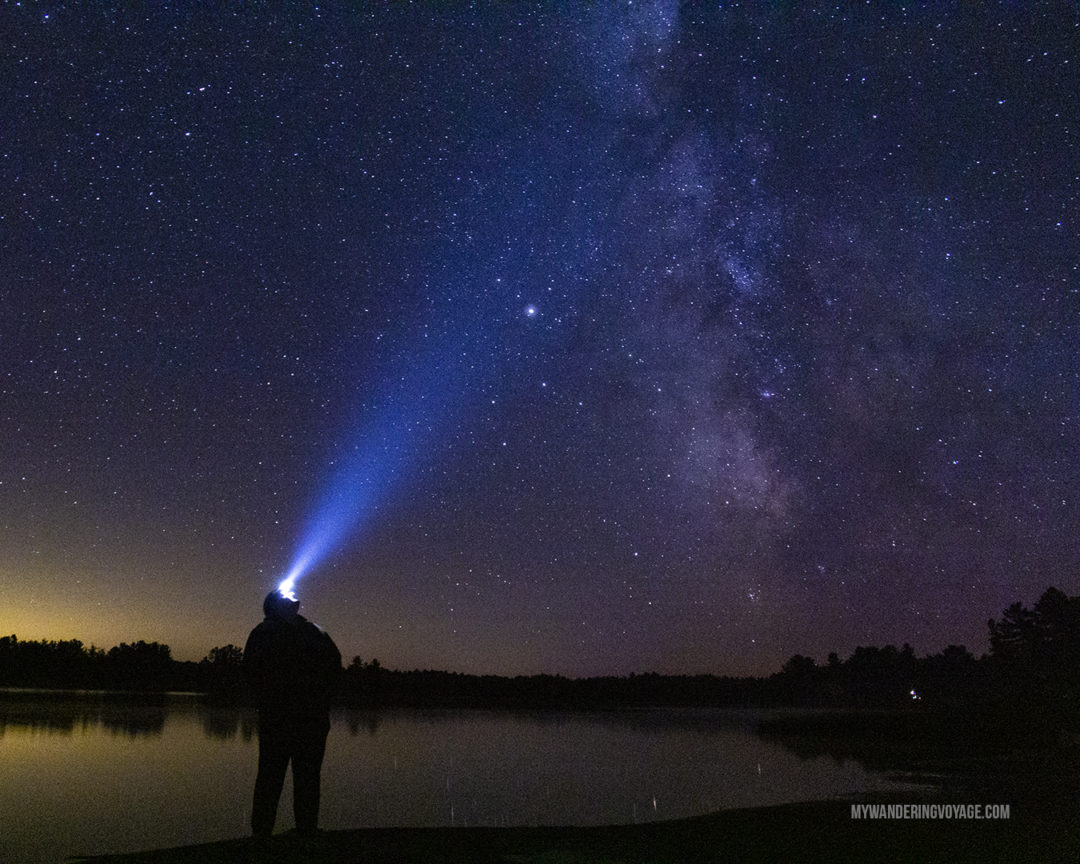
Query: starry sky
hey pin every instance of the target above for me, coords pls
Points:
(570, 338)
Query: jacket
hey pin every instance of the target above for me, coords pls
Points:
(293, 668)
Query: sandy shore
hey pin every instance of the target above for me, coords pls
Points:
(818, 831)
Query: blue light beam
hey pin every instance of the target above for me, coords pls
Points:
(438, 376)
(344, 508)
(394, 441)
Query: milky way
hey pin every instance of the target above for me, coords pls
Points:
(602, 339)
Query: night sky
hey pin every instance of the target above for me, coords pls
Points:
(570, 338)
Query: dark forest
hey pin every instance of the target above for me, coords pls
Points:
(1033, 662)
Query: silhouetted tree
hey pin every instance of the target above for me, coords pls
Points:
(1036, 653)
(799, 682)
(1012, 638)
(226, 657)
(221, 672)
(139, 666)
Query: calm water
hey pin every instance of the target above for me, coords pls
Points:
(92, 775)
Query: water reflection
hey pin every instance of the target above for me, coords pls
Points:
(93, 773)
(223, 724)
(133, 715)
(78, 711)
(362, 721)
(514, 768)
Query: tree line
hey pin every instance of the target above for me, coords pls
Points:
(137, 666)
(1033, 662)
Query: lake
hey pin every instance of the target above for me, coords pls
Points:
(91, 774)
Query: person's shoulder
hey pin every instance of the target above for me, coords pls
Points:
(311, 627)
(318, 635)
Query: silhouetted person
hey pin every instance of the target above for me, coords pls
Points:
(293, 667)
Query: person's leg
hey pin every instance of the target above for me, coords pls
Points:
(307, 761)
(273, 760)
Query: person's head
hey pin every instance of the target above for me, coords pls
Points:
(278, 605)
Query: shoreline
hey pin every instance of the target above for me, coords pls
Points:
(1036, 830)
